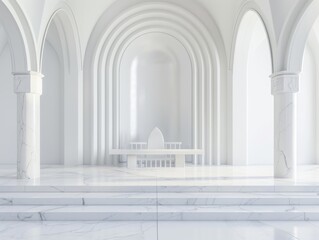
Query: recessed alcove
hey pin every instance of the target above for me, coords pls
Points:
(61, 129)
(163, 46)
(155, 90)
(52, 100)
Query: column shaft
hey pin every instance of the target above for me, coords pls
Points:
(285, 136)
(284, 88)
(28, 87)
(28, 135)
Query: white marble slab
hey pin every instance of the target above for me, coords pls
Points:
(202, 230)
(191, 179)
(268, 198)
(149, 213)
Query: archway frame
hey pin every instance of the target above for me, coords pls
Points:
(140, 18)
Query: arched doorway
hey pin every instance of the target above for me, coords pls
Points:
(61, 103)
(155, 90)
(253, 107)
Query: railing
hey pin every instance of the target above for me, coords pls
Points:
(138, 145)
(165, 161)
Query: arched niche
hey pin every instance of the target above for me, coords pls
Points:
(252, 99)
(52, 100)
(125, 21)
(155, 90)
(61, 102)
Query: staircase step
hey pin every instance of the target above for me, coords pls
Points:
(191, 199)
(161, 213)
(161, 189)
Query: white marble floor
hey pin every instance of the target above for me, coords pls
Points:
(161, 231)
(189, 176)
(233, 186)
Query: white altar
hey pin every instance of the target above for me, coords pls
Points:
(156, 152)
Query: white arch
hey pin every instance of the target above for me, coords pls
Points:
(69, 30)
(157, 16)
(294, 39)
(20, 37)
(73, 85)
(246, 7)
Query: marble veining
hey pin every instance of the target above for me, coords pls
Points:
(285, 85)
(190, 179)
(203, 230)
(165, 213)
(88, 193)
(28, 87)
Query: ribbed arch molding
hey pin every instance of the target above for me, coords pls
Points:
(20, 37)
(102, 99)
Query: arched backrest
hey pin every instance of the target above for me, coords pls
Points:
(155, 139)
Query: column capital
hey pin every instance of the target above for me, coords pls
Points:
(28, 82)
(284, 82)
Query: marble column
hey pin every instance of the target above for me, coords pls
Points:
(28, 87)
(284, 86)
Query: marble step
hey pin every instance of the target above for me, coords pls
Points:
(164, 199)
(161, 213)
(116, 187)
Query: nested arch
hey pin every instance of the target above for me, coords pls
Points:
(103, 67)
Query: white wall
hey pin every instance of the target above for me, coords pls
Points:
(260, 102)
(8, 109)
(52, 108)
(239, 93)
(252, 99)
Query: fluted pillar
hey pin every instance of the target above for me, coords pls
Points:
(28, 87)
(285, 85)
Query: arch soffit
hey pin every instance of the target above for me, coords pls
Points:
(69, 35)
(245, 8)
(293, 49)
